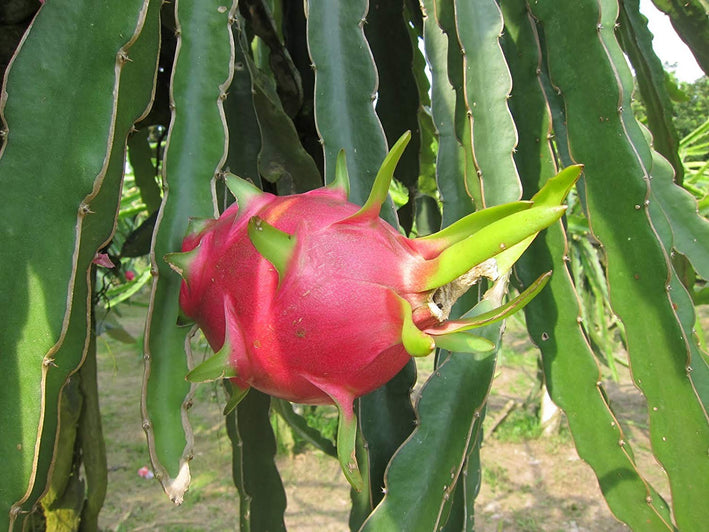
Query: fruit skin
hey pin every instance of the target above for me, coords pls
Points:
(330, 329)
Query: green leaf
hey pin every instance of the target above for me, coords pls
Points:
(474, 222)
(486, 318)
(181, 261)
(216, 367)
(342, 178)
(464, 342)
(416, 342)
(558, 187)
(346, 442)
(243, 191)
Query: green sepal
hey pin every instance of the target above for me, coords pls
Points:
(276, 246)
(506, 259)
(346, 444)
(416, 342)
(551, 194)
(464, 342)
(215, 367)
(491, 240)
(236, 394)
(181, 261)
(197, 225)
(242, 190)
(474, 222)
(497, 314)
(342, 177)
(556, 188)
(380, 188)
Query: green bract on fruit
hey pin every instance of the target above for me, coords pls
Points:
(315, 300)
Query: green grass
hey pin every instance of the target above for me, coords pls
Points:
(520, 426)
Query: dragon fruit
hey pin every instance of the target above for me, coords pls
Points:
(316, 300)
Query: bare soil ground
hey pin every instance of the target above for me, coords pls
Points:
(530, 483)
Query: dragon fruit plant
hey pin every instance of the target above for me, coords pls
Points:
(313, 299)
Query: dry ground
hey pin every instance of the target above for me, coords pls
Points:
(529, 484)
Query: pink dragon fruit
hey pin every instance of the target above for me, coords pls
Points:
(315, 300)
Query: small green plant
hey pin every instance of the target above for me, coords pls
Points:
(521, 425)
